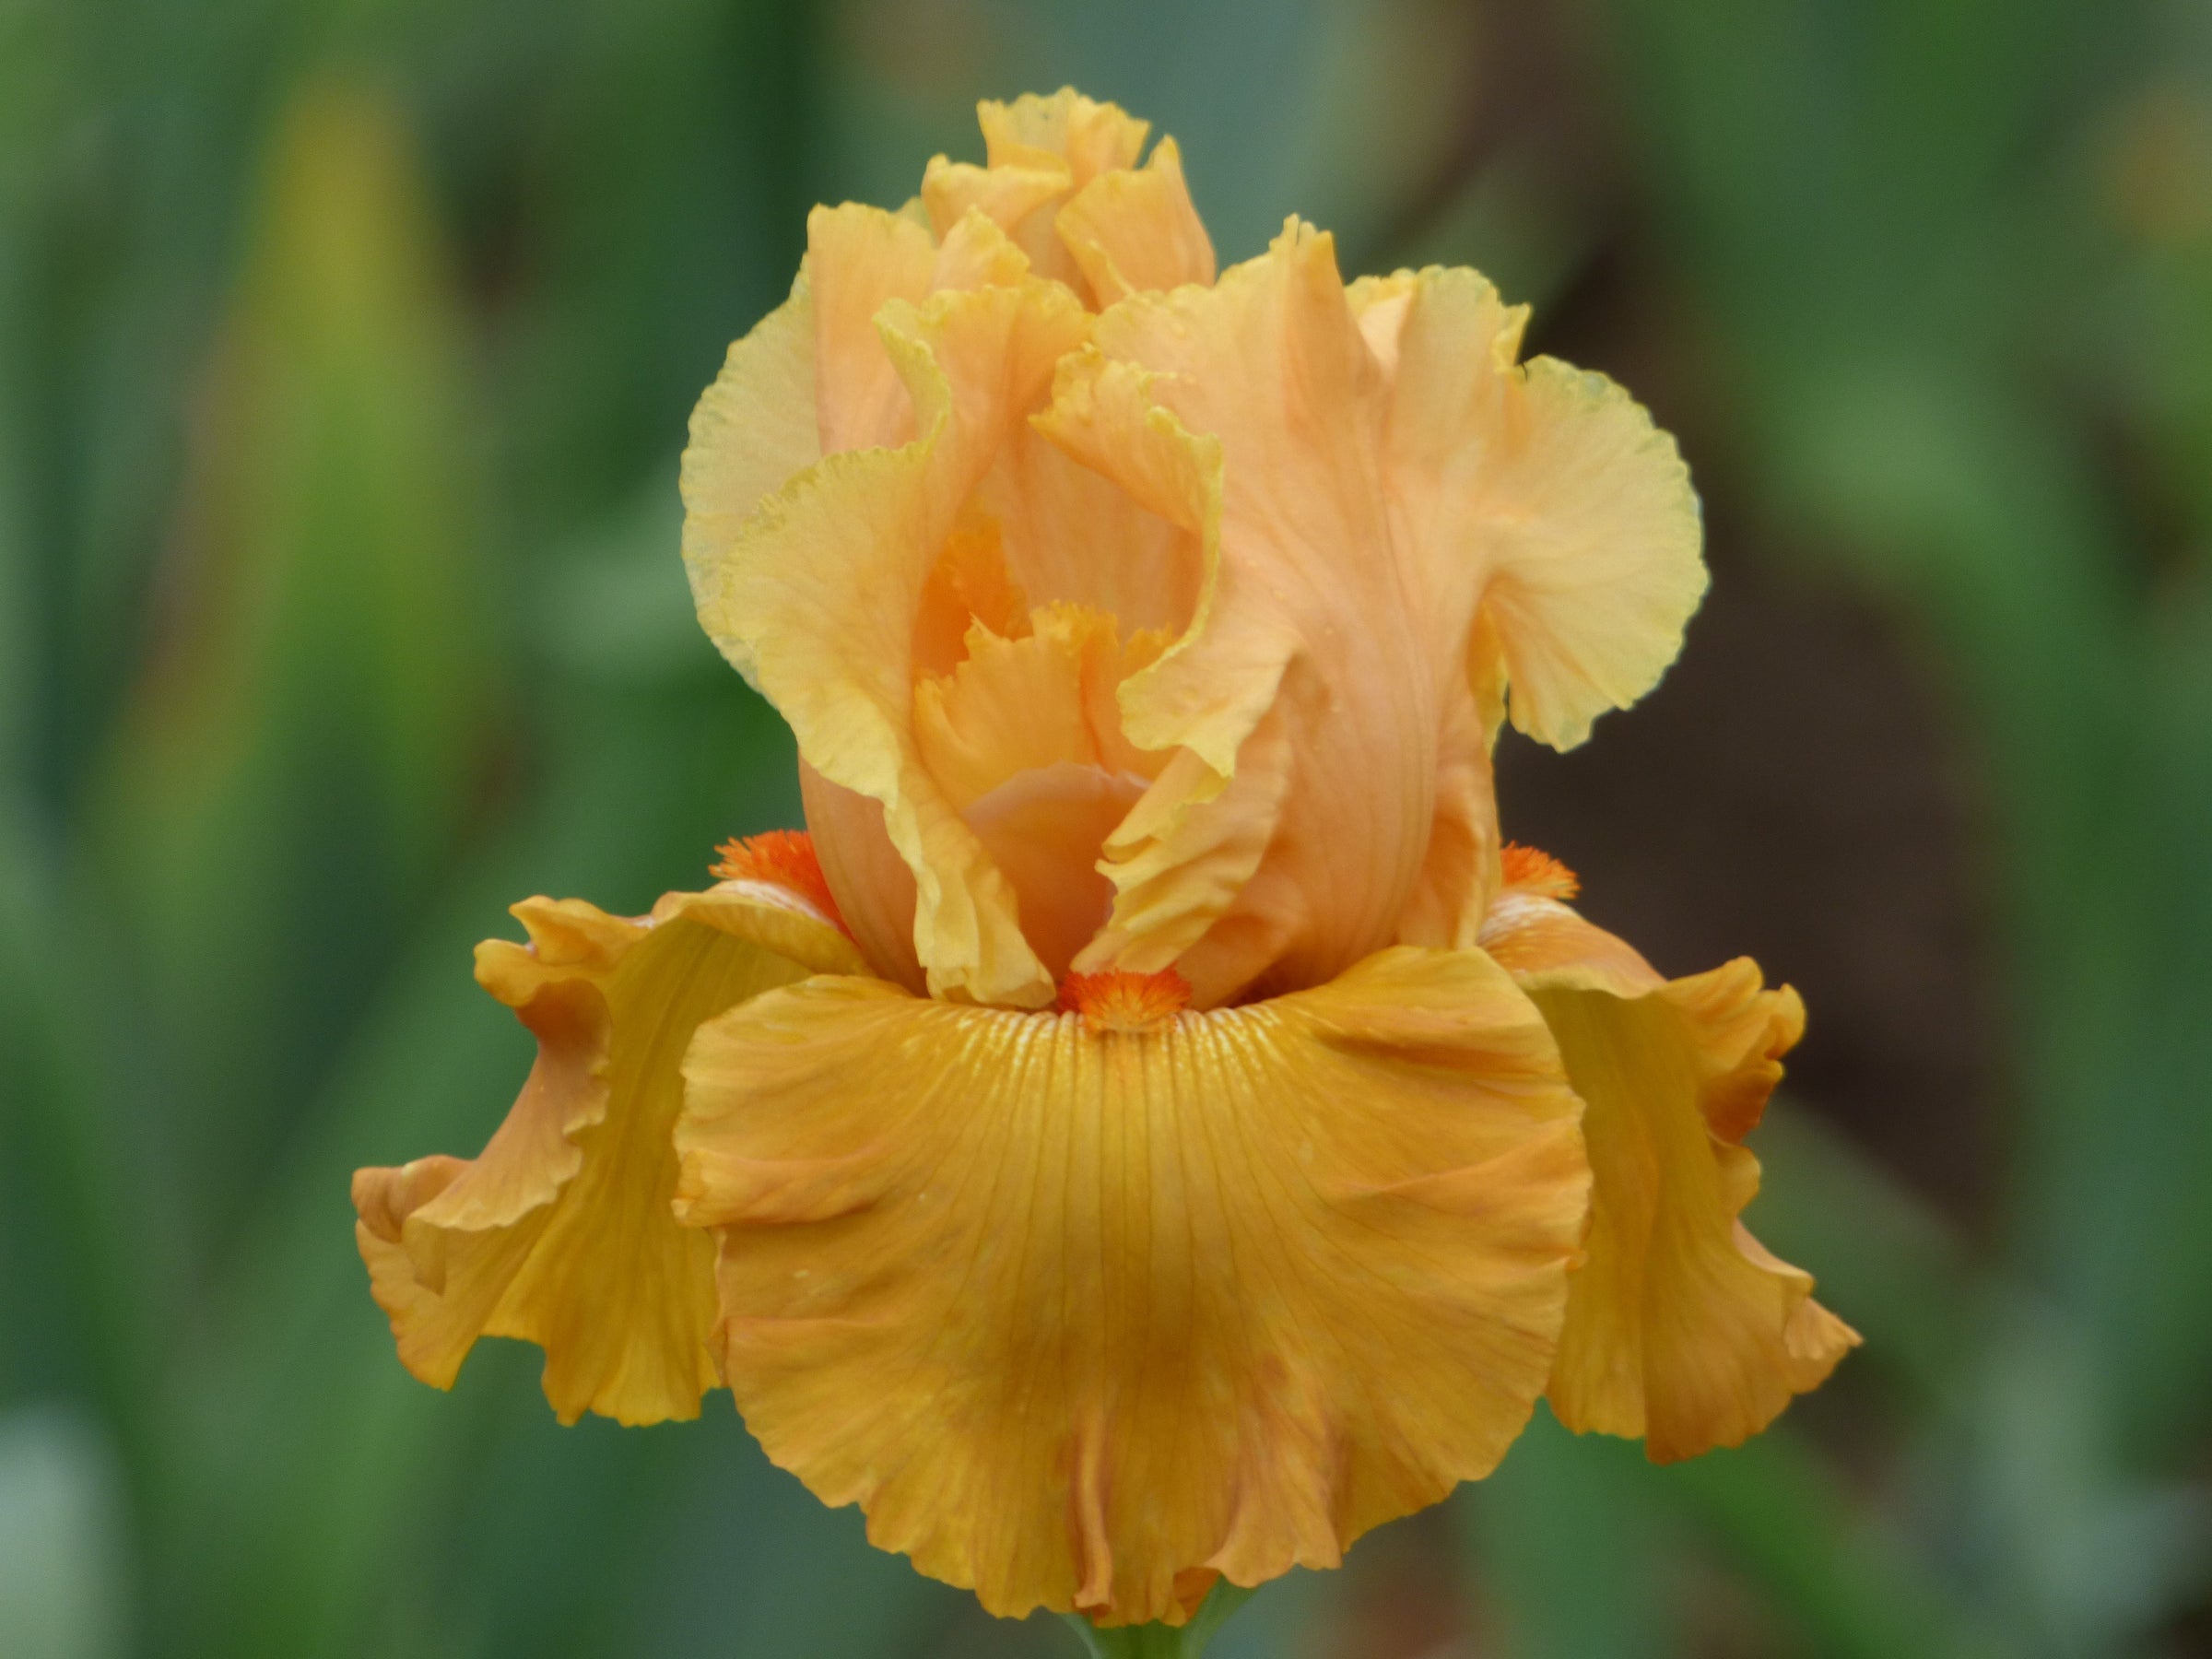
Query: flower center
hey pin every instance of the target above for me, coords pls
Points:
(1114, 1001)
(1024, 736)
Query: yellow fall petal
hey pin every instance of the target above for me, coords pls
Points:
(1681, 1328)
(559, 1231)
(1081, 1316)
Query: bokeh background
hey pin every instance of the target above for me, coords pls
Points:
(346, 350)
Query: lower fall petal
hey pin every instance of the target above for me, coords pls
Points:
(1078, 1313)
(1681, 1328)
(559, 1231)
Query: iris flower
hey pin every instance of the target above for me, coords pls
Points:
(1151, 1130)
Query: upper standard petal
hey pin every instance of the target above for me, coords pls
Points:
(1061, 178)
(1366, 528)
(821, 592)
(1251, 413)
(1538, 496)
(1075, 1314)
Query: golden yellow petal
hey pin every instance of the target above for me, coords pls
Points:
(1078, 1315)
(1680, 1327)
(559, 1231)
(1543, 494)
(1136, 229)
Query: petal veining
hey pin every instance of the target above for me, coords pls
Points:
(1075, 1314)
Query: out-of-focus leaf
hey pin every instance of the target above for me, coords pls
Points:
(334, 1499)
(64, 1572)
(1886, 1261)
(83, 1270)
(1566, 1547)
(1853, 1589)
(296, 757)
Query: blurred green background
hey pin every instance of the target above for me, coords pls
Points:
(346, 350)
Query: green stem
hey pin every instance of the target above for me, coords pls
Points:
(1158, 1641)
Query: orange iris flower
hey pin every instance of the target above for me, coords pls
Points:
(1153, 1131)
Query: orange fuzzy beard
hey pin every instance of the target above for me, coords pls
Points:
(1525, 869)
(783, 858)
(1115, 1001)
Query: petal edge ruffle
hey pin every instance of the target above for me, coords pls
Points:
(1682, 1329)
(559, 1232)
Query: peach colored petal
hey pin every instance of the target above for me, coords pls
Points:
(1010, 197)
(1681, 1328)
(559, 1231)
(753, 431)
(1015, 704)
(1024, 737)
(1136, 228)
(821, 591)
(1038, 152)
(1445, 911)
(1542, 494)
(1081, 1316)
(860, 259)
(1250, 414)
(1089, 135)
(860, 862)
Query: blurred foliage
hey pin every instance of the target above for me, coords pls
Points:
(344, 356)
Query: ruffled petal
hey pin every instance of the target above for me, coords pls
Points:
(1681, 1328)
(1039, 151)
(1025, 738)
(822, 590)
(1250, 414)
(1090, 136)
(1075, 1314)
(860, 259)
(1538, 496)
(559, 1231)
(753, 431)
(1136, 229)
